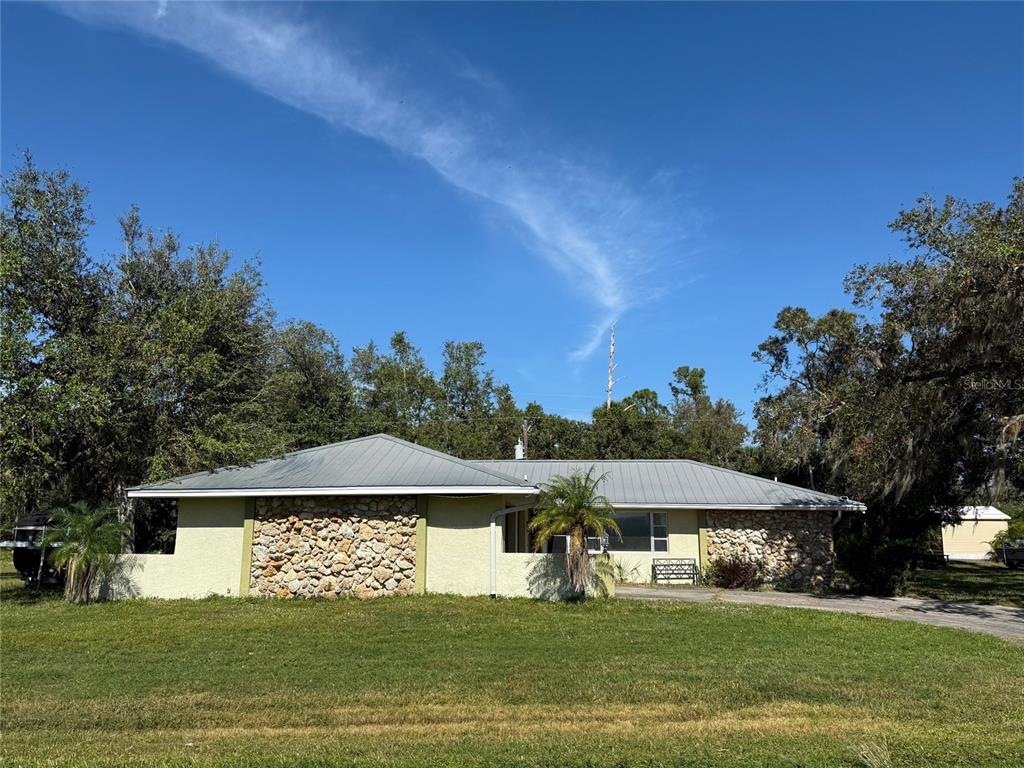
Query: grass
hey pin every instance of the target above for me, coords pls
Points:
(9, 578)
(441, 681)
(979, 582)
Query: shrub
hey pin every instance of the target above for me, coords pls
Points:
(877, 567)
(734, 572)
(995, 547)
(86, 544)
(1000, 540)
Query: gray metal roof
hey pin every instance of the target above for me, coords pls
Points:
(385, 464)
(378, 461)
(675, 482)
(982, 513)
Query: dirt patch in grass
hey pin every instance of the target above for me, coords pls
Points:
(408, 720)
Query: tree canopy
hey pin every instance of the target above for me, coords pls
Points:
(162, 359)
(912, 401)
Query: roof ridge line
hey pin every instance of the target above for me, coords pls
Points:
(764, 479)
(468, 463)
(328, 445)
(593, 461)
(263, 460)
(516, 482)
(668, 461)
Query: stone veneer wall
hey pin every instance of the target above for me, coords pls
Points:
(794, 548)
(329, 546)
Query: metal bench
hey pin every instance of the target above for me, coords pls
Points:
(674, 569)
(934, 560)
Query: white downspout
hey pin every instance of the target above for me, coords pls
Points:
(846, 505)
(494, 541)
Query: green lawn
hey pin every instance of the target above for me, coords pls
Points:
(8, 576)
(453, 682)
(980, 582)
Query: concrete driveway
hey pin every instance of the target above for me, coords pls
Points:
(1001, 621)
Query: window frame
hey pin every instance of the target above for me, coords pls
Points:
(652, 539)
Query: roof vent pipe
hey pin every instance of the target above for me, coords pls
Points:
(520, 450)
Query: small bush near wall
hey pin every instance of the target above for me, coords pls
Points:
(793, 549)
(734, 573)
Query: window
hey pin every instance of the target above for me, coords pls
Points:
(511, 533)
(641, 532)
(659, 531)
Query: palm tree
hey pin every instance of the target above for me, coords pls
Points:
(86, 543)
(571, 506)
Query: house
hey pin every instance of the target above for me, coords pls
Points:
(969, 538)
(379, 515)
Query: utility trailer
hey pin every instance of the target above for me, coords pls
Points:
(1013, 553)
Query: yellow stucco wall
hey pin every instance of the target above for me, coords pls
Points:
(458, 551)
(458, 544)
(207, 557)
(969, 540)
(531, 574)
(208, 552)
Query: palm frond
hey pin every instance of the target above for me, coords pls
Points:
(86, 544)
(571, 505)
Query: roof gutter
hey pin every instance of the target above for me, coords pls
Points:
(367, 490)
(854, 506)
(143, 492)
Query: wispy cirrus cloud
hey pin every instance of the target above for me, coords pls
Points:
(600, 233)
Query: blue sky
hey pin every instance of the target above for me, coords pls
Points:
(524, 174)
